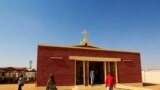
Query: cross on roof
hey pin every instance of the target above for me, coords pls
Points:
(85, 33)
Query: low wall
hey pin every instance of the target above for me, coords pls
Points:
(151, 76)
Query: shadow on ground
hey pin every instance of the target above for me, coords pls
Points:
(149, 84)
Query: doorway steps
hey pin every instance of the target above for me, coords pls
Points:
(96, 87)
(125, 87)
(102, 87)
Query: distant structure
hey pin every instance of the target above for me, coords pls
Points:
(151, 76)
(11, 74)
(30, 64)
(71, 64)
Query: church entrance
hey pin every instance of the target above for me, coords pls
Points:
(79, 72)
(98, 68)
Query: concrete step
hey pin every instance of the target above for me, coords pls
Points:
(99, 87)
(125, 87)
(89, 88)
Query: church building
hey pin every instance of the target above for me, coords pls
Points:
(71, 65)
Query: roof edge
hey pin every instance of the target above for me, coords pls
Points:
(98, 48)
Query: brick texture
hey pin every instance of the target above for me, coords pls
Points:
(64, 69)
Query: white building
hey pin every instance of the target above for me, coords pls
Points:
(151, 76)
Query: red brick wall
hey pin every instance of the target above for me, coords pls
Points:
(64, 69)
(129, 71)
(86, 73)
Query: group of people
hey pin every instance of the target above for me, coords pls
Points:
(110, 81)
(51, 84)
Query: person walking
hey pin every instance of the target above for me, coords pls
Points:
(20, 82)
(51, 84)
(92, 76)
(110, 81)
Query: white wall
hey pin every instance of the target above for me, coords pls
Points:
(151, 76)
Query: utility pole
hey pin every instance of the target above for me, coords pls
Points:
(30, 64)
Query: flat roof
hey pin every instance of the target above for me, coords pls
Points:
(88, 47)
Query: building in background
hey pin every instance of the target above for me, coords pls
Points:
(151, 76)
(71, 64)
(11, 74)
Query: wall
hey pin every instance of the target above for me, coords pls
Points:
(129, 69)
(56, 60)
(61, 67)
(151, 76)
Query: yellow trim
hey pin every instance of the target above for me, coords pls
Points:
(90, 48)
(116, 72)
(105, 73)
(85, 58)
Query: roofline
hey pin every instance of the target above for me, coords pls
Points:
(89, 48)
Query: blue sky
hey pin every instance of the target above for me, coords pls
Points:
(132, 25)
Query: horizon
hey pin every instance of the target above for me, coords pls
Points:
(129, 25)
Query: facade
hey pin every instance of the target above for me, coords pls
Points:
(71, 64)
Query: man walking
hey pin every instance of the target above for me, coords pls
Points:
(110, 81)
(92, 76)
(20, 82)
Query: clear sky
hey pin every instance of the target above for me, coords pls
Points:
(132, 25)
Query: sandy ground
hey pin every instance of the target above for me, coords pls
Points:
(32, 87)
(15, 87)
(154, 87)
